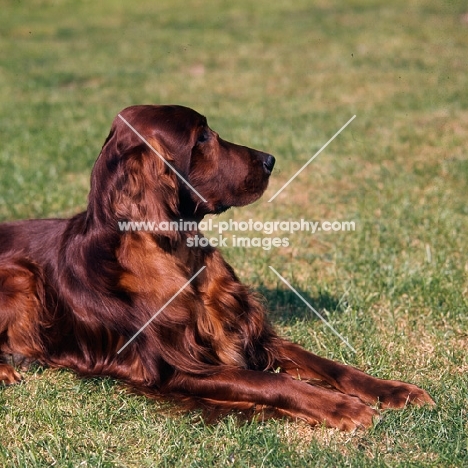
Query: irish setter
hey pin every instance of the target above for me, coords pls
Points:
(81, 293)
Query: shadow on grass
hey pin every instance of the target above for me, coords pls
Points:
(286, 307)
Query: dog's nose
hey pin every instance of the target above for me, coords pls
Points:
(269, 163)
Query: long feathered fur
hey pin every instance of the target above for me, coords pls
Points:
(77, 292)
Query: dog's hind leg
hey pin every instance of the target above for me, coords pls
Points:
(20, 308)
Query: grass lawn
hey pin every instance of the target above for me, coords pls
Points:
(284, 77)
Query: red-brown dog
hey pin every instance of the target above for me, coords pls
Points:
(73, 292)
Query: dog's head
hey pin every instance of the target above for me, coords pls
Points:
(165, 162)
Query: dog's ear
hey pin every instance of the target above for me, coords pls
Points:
(147, 188)
(131, 181)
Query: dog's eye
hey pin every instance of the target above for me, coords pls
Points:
(202, 137)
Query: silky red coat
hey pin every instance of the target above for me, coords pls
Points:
(74, 291)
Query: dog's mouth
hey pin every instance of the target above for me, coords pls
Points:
(252, 188)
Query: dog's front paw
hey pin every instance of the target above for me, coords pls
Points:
(395, 394)
(351, 414)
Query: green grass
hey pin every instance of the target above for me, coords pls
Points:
(281, 76)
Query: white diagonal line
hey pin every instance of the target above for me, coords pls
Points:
(180, 176)
(161, 309)
(312, 158)
(312, 309)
